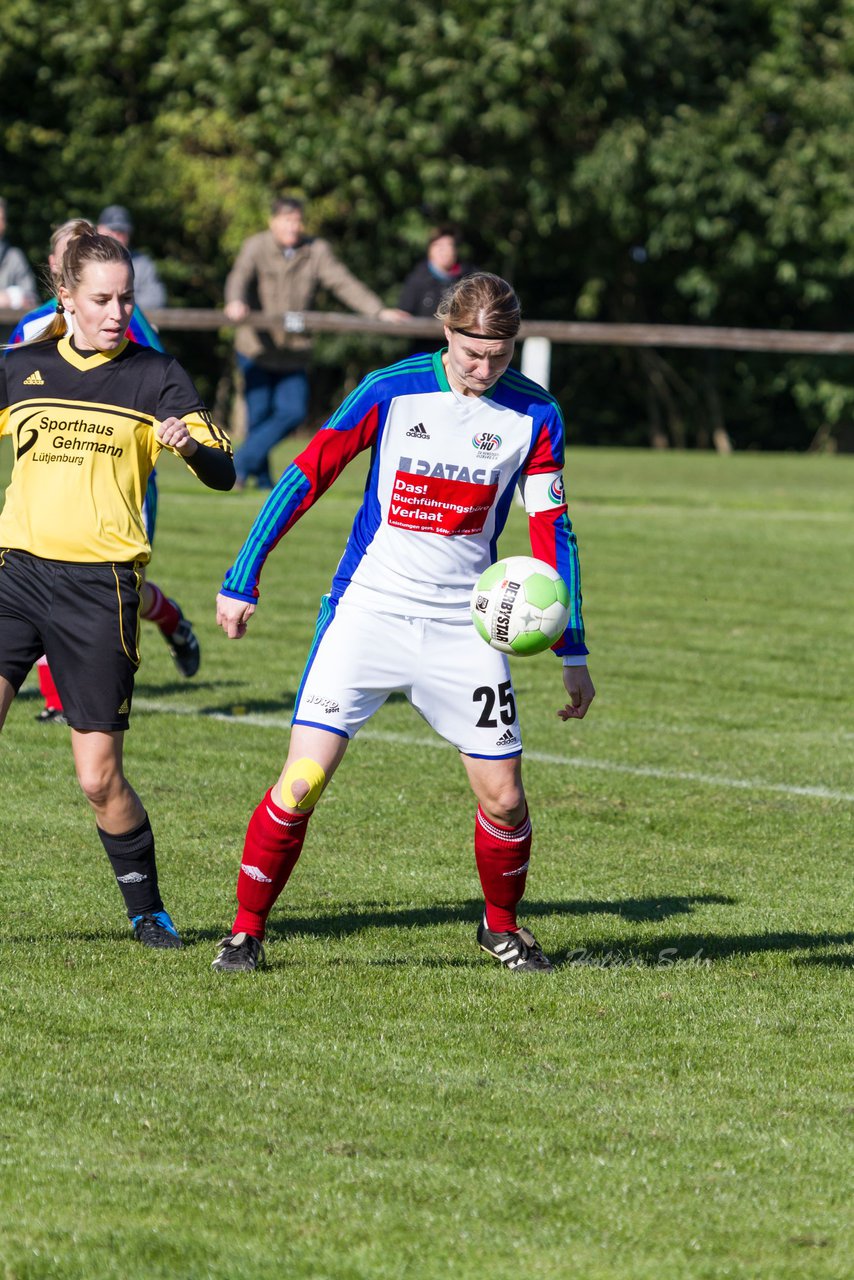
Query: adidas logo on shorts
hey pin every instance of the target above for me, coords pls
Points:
(419, 431)
(34, 380)
(507, 739)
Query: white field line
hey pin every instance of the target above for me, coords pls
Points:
(282, 724)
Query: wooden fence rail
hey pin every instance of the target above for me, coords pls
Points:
(705, 337)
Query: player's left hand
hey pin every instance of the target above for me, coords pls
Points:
(173, 433)
(579, 686)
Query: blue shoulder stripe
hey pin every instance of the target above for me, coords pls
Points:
(405, 371)
(520, 383)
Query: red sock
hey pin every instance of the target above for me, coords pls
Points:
(49, 691)
(502, 855)
(162, 612)
(274, 840)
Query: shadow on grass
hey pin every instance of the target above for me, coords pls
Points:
(286, 702)
(699, 948)
(662, 951)
(670, 948)
(252, 706)
(353, 918)
(233, 705)
(248, 706)
(832, 961)
(169, 688)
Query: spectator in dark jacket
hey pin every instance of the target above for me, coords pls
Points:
(425, 284)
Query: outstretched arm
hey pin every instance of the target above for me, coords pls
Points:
(351, 429)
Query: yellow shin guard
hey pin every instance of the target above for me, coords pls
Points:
(306, 771)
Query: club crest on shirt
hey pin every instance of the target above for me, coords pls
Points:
(486, 443)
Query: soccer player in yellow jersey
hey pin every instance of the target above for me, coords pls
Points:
(88, 413)
(157, 607)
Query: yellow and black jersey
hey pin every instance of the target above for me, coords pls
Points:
(83, 432)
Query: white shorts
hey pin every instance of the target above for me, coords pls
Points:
(458, 683)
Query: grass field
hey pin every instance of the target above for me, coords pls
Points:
(382, 1101)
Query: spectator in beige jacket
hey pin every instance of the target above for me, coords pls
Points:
(279, 271)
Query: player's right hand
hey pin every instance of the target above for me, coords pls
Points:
(236, 311)
(233, 616)
(579, 686)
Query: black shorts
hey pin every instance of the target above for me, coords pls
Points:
(85, 619)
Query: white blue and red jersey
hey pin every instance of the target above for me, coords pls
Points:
(442, 473)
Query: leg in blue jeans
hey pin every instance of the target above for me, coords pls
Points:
(276, 404)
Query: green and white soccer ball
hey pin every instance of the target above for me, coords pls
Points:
(520, 605)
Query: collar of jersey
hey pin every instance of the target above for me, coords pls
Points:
(97, 361)
(442, 377)
(439, 370)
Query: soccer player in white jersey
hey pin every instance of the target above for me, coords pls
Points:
(450, 436)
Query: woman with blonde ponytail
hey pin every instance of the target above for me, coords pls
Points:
(49, 321)
(88, 413)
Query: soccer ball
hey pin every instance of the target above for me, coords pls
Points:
(520, 605)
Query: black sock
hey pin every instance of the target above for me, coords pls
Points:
(131, 856)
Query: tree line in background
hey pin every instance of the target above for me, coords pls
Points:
(668, 161)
